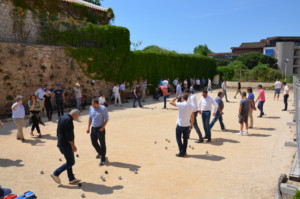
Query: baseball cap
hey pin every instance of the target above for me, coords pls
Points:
(46, 89)
(59, 84)
(259, 85)
(77, 84)
(4, 192)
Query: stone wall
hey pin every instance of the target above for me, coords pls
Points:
(10, 25)
(23, 68)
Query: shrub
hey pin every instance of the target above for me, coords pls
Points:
(226, 72)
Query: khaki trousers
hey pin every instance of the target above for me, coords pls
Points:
(251, 117)
(20, 124)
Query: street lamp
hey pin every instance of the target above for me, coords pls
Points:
(285, 66)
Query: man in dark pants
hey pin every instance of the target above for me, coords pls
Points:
(98, 119)
(193, 102)
(66, 145)
(59, 99)
(165, 94)
(137, 95)
(185, 122)
(286, 91)
(204, 108)
(238, 89)
(219, 113)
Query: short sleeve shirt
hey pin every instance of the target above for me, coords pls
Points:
(220, 102)
(98, 116)
(278, 85)
(178, 89)
(58, 93)
(185, 112)
(251, 97)
(164, 89)
(262, 95)
(245, 103)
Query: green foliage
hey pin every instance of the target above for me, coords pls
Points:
(202, 50)
(136, 45)
(253, 59)
(157, 49)
(237, 65)
(297, 196)
(221, 62)
(226, 72)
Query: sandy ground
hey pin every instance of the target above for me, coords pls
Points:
(235, 166)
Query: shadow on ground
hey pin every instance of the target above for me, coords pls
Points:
(10, 163)
(131, 167)
(95, 188)
(207, 157)
(221, 141)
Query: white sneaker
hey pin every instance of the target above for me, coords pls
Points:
(56, 178)
(246, 132)
(240, 133)
(75, 181)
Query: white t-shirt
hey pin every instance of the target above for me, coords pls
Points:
(185, 112)
(223, 86)
(278, 85)
(165, 83)
(209, 82)
(198, 81)
(206, 103)
(286, 89)
(40, 93)
(122, 87)
(193, 102)
(116, 90)
(101, 100)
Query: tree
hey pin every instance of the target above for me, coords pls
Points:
(202, 50)
(136, 45)
(237, 65)
(251, 60)
(226, 72)
(157, 49)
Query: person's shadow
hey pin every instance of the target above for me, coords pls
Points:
(94, 188)
(10, 163)
(131, 167)
(207, 157)
(221, 141)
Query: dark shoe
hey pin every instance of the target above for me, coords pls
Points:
(227, 101)
(18, 138)
(23, 140)
(284, 110)
(141, 107)
(205, 138)
(199, 141)
(98, 156)
(180, 155)
(101, 163)
(208, 140)
(259, 116)
(134, 106)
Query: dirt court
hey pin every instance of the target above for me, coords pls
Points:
(235, 166)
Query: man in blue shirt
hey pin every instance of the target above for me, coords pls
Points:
(59, 99)
(219, 113)
(18, 115)
(98, 118)
(252, 104)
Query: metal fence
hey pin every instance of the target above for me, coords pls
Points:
(296, 85)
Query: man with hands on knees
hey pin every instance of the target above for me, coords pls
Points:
(98, 118)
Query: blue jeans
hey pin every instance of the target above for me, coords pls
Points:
(69, 156)
(216, 118)
(137, 99)
(78, 103)
(205, 121)
(225, 94)
(60, 107)
(260, 106)
(182, 132)
(196, 127)
(99, 135)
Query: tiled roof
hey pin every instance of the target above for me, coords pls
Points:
(90, 5)
(253, 45)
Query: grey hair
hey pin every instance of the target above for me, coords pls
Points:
(75, 112)
(19, 97)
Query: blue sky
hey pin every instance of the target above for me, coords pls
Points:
(221, 24)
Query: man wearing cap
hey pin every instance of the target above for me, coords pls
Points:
(261, 100)
(59, 99)
(78, 95)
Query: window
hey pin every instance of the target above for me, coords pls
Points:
(297, 43)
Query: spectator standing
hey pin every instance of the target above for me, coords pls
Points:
(198, 84)
(66, 145)
(185, 84)
(156, 94)
(261, 100)
(116, 92)
(175, 83)
(204, 108)
(47, 103)
(123, 92)
(224, 90)
(185, 122)
(165, 94)
(144, 90)
(18, 115)
(244, 113)
(209, 85)
(40, 92)
(238, 89)
(203, 82)
(285, 95)
(137, 95)
(35, 108)
(252, 104)
(102, 100)
(59, 99)
(78, 95)
(179, 91)
(277, 87)
(192, 99)
(219, 114)
(98, 118)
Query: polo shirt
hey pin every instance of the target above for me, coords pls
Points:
(98, 116)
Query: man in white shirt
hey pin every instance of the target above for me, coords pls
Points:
(78, 95)
(224, 89)
(40, 92)
(193, 102)
(198, 84)
(209, 85)
(123, 92)
(185, 122)
(277, 87)
(185, 84)
(285, 96)
(116, 91)
(165, 83)
(102, 100)
(204, 108)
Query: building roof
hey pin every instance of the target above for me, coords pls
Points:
(283, 38)
(90, 5)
